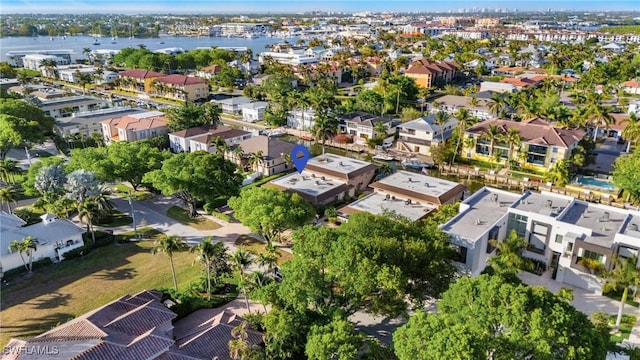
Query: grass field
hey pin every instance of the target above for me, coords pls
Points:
(625, 327)
(258, 247)
(116, 219)
(199, 223)
(58, 293)
(123, 190)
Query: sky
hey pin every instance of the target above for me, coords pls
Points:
(280, 6)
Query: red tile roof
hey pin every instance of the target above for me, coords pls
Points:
(140, 74)
(632, 83)
(534, 131)
(618, 119)
(177, 79)
(522, 82)
(214, 69)
(424, 66)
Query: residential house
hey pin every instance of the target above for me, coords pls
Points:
(199, 138)
(55, 237)
(301, 119)
(135, 327)
(328, 178)
(134, 126)
(233, 105)
(508, 71)
(497, 87)
(632, 87)
(520, 83)
(541, 144)
(427, 73)
(362, 126)
(208, 72)
(138, 80)
(559, 230)
(273, 154)
(72, 73)
(181, 87)
(452, 103)
(87, 122)
(418, 136)
(413, 196)
(63, 107)
(291, 57)
(254, 111)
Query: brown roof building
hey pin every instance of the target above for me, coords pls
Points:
(428, 73)
(134, 126)
(138, 79)
(413, 196)
(199, 138)
(181, 87)
(542, 143)
(273, 152)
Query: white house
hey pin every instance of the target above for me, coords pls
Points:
(301, 119)
(417, 136)
(233, 105)
(71, 73)
(560, 231)
(198, 138)
(34, 61)
(452, 103)
(66, 106)
(362, 126)
(632, 87)
(254, 111)
(288, 58)
(55, 237)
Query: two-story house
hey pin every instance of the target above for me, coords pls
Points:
(199, 138)
(134, 127)
(180, 87)
(301, 119)
(560, 232)
(138, 80)
(233, 105)
(254, 111)
(541, 144)
(428, 73)
(417, 136)
(478, 107)
(274, 151)
(66, 106)
(363, 126)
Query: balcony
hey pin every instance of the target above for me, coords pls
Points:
(416, 141)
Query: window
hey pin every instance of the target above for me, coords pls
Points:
(554, 150)
(460, 254)
(518, 223)
(559, 239)
(493, 235)
(593, 255)
(538, 237)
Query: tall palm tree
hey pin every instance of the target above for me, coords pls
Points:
(513, 140)
(600, 117)
(529, 107)
(8, 169)
(325, 127)
(28, 245)
(51, 67)
(493, 135)
(441, 119)
(239, 347)
(240, 261)
(496, 104)
(508, 259)
(558, 173)
(205, 251)
(464, 121)
(255, 160)
(169, 245)
(221, 146)
(212, 114)
(624, 274)
(631, 132)
(288, 159)
(87, 212)
(8, 196)
(269, 258)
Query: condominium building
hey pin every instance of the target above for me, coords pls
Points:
(134, 127)
(428, 73)
(559, 230)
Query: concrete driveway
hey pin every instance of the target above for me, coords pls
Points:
(606, 154)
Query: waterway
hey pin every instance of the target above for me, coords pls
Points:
(78, 43)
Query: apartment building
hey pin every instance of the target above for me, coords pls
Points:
(417, 136)
(88, 122)
(181, 87)
(541, 143)
(410, 195)
(560, 231)
(63, 107)
(134, 127)
(254, 111)
(428, 73)
(301, 119)
(138, 80)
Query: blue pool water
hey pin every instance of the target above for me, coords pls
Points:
(590, 181)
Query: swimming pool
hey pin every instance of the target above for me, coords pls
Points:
(588, 181)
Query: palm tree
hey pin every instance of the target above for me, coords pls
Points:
(624, 274)
(239, 347)
(240, 261)
(325, 127)
(529, 107)
(514, 140)
(87, 212)
(464, 121)
(221, 146)
(168, 245)
(8, 196)
(600, 117)
(441, 118)
(8, 169)
(87, 52)
(288, 160)
(558, 173)
(50, 66)
(631, 132)
(255, 160)
(269, 258)
(493, 134)
(211, 114)
(205, 251)
(496, 104)
(508, 259)
(28, 245)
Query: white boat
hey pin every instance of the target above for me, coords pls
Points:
(416, 164)
(383, 157)
(275, 133)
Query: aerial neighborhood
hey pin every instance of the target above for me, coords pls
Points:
(320, 185)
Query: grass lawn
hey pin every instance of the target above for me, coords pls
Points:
(258, 247)
(198, 223)
(617, 295)
(58, 293)
(116, 219)
(625, 327)
(123, 190)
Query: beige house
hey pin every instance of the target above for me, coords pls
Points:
(541, 144)
(134, 127)
(138, 80)
(180, 87)
(199, 138)
(273, 154)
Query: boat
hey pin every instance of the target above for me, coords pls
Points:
(383, 157)
(275, 133)
(416, 164)
(95, 42)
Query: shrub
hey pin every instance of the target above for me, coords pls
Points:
(76, 253)
(20, 270)
(27, 215)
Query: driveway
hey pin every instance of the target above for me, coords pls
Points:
(606, 154)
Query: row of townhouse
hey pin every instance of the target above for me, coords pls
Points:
(179, 87)
(429, 73)
(559, 230)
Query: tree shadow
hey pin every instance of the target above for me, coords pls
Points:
(50, 301)
(34, 327)
(118, 274)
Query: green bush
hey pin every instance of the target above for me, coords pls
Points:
(27, 215)
(221, 216)
(188, 302)
(102, 238)
(21, 270)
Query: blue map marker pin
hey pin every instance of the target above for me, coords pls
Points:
(300, 162)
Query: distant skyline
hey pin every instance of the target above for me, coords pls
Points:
(280, 6)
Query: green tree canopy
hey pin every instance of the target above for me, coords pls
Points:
(490, 318)
(196, 176)
(626, 175)
(187, 116)
(269, 211)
